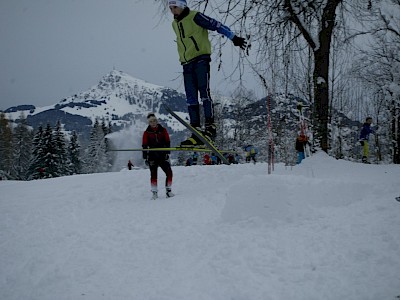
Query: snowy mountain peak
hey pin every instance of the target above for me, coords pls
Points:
(120, 80)
(118, 84)
(117, 97)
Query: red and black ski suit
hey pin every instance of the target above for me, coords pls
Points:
(157, 137)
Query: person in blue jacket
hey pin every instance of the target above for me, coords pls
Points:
(194, 48)
(366, 130)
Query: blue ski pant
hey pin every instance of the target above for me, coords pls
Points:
(196, 75)
(300, 156)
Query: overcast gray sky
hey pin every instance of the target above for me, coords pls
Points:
(52, 49)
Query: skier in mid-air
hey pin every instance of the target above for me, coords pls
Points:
(194, 48)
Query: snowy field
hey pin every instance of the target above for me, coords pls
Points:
(326, 229)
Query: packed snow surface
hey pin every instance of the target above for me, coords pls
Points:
(325, 229)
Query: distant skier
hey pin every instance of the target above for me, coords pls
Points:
(195, 158)
(194, 48)
(130, 165)
(251, 153)
(207, 159)
(231, 158)
(301, 142)
(156, 136)
(189, 162)
(237, 158)
(214, 159)
(366, 130)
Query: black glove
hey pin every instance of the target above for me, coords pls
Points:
(362, 143)
(239, 42)
(144, 154)
(166, 156)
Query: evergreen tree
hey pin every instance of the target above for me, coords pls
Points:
(96, 159)
(37, 161)
(75, 164)
(111, 156)
(92, 149)
(105, 128)
(51, 160)
(6, 152)
(61, 157)
(46, 159)
(22, 140)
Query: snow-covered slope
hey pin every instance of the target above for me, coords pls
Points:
(326, 229)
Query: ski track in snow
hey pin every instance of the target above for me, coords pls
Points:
(315, 231)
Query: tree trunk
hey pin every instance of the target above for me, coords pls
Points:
(321, 50)
(321, 73)
(321, 96)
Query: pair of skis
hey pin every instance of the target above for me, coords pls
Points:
(208, 146)
(197, 133)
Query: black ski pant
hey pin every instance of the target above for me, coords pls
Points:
(166, 167)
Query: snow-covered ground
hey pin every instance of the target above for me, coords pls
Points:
(326, 229)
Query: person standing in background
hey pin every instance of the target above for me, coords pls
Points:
(366, 130)
(156, 136)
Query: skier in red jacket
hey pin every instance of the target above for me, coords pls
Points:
(156, 136)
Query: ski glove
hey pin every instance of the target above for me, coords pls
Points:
(239, 42)
(144, 154)
(362, 143)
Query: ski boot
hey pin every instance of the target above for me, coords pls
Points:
(155, 195)
(169, 193)
(210, 132)
(364, 160)
(193, 140)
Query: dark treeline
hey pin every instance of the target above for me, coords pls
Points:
(27, 154)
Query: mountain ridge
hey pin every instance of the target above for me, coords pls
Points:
(118, 98)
